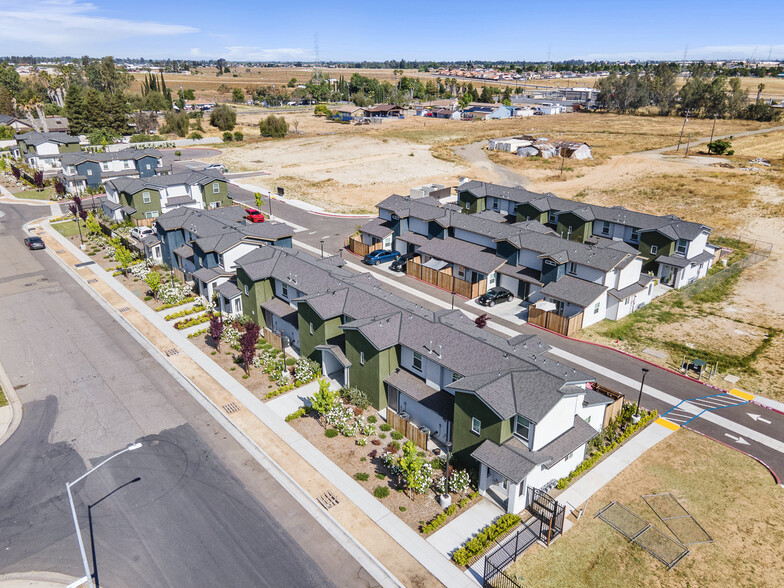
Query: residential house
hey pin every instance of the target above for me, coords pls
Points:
(203, 246)
(150, 197)
(383, 111)
(481, 111)
(523, 418)
(42, 151)
(20, 125)
(348, 112)
(84, 170)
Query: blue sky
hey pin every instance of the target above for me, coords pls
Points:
(286, 30)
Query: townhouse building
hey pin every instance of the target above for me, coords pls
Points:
(82, 170)
(203, 246)
(522, 418)
(42, 151)
(151, 196)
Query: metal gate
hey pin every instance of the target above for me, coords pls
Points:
(545, 508)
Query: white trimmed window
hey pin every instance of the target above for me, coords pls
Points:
(654, 249)
(151, 214)
(683, 244)
(146, 197)
(571, 268)
(284, 289)
(216, 188)
(596, 307)
(416, 363)
(635, 234)
(476, 425)
(522, 428)
(247, 290)
(605, 228)
(361, 358)
(89, 172)
(552, 216)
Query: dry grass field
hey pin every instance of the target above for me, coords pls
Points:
(733, 497)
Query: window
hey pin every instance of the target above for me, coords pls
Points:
(215, 204)
(216, 188)
(596, 307)
(417, 361)
(71, 169)
(311, 328)
(605, 228)
(284, 289)
(571, 268)
(476, 425)
(552, 217)
(147, 166)
(151, 214)
(654, 249)
(146, 197)
(549, 262)
(588, 419)
(361, 358)
(247, 290)
(522, 428)
(89, 172)
(495, 203)
(127, 164)
(682, 246)
(105, 166)
(635, 234)
(456, 376)
(568, 457)
(467, 206)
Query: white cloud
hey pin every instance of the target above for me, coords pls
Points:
(244, 53)
(68, 25)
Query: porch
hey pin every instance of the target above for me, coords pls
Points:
(418, 406)
(281, 318)
(334, 365)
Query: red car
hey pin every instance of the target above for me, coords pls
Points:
(255, 216)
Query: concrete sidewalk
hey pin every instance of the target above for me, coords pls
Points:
(391, 551)
(461, 528)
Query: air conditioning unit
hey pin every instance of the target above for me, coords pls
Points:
(425, 430)
(404, 416)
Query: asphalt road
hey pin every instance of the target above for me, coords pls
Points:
(190, 508)
(338, 229)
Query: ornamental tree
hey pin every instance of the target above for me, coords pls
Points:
(216, 329)
(38, 180)
(153, 281)
(248, 344)
(123, 256)
(410, 465)
(324, 400)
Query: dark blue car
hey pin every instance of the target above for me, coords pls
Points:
(380, 256)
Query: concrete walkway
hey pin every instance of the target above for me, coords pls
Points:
(388, 548)
(460, 529)
(293, 400)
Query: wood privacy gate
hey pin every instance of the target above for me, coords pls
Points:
(555, 322)
(407, 428)
(355, 245)
(445, 280)
(545, 508)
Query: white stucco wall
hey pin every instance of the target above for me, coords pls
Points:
(231, 256)
(556, 422)
(630, 274)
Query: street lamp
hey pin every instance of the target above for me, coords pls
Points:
(68, 485)
(445, 500)
(322, 249)
(639, 399)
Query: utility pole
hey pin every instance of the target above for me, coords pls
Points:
(683, 127)
(713, 128)
(688, 144)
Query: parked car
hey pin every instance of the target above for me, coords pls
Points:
(218, 166)
(399, 265)
(140, 233)
(380, 256)
(254, 216)
(494, 295)
(34, 243)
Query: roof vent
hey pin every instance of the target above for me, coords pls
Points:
(430, 349)
(439, 351)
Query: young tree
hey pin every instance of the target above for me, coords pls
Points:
(122, 256)
(410, 465)
(324, 400)
(223, 117)
(38, 180)
(93, 228)
(273, 126)
(153, 281)
(59, 187)
(216, 329)
(248, 344)
(237, 95)
(292, 82)
(259, 200)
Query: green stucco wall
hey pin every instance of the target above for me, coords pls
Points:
(580, 228)
(137, 201)
(210, 196)
(71, 148)
(378, 365)
(528, 212)
(468, 406)
(258, 292)
(323, 331)
(666, 247)
(475, 204)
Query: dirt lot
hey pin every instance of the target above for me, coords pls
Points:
(731, 496)
(353, 459)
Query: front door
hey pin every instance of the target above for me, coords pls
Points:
(392, 397)
(523, 290)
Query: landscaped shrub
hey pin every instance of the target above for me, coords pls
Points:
(356, 397)
(397, 435)
(238, 136)
(376, 441)
(197, 320)
(484, 539)
(362, 476)
(434, 523)
(393, 447)
(228, 136)
(372, 419)
(381, 491)
(386, 427)
(601, 449)
(361, 442)
(296, 414)
(291, 361)
(331, 433)
(458, 482)
(380, 476)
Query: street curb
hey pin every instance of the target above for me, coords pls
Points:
(36, 579)
(308, 502)
(13, 403)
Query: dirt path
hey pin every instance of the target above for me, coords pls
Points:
(475, 155)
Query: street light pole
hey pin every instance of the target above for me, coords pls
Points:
(448, 457)
(68, 485)
(322, 249)
(639, 399)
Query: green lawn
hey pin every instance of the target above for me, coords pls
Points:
(68, 228)
(3, 399)
(45, 194)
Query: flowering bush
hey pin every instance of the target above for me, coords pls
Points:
(391, 461)
(339, 417)
(174, 293)
(361, 441)
(141, 269)
(231, 335)
(422, 479)
(306, 370)
(350, 429)
(458, 482)
(367, 429)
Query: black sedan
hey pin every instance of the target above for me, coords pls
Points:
(34, 243)
(399, 265)
(494, 295)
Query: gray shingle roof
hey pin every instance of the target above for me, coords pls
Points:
(632, 289)
(228, 290)
(521, 273)
(678, 261)
(35, 138)
(595, 398)
(189, 178)
(82, 156)
(337, 352)
(377, 227)
(577, 436)
(207, 275)
(513, 460)
(453, 250)
(184, 251)
(277, 307)
(439, 401)
(574, 290)
(180, 201)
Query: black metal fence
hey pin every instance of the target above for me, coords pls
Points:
(545, 508)
(514, 546)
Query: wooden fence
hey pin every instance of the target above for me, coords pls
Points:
(271, 337)
(143, 222)
(614, 409)
(407, 428)
(555, 322)
(445, 280)
(355, 245)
